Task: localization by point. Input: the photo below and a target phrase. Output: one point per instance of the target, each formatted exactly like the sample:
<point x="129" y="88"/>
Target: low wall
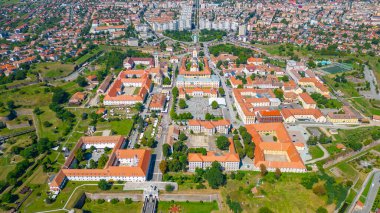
<point x="145" y="185"/>
<point x="161" y="197"/>
<point x="120" y="196"/>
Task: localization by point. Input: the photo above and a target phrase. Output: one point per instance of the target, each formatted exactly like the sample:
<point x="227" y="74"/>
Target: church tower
<point x="195" y="53"/>
<point x="156" y="61"/>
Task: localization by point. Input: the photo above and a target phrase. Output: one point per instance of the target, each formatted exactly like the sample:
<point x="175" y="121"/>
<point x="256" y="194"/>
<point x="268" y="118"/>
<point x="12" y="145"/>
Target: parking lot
<point x="299" y="134"/>
<point x="198" y="107"/>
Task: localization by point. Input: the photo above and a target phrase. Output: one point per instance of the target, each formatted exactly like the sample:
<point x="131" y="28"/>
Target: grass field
<point x="28" y="96"/>
<point x="87" y="56"/>
<point x="53" y="132"/>
<point x="315" y="152"/>
<point x="53" y="70"/>
<point x="365" y="106"/>
<point x="278" y="196"/>
<point x="363" y="196"/>
<point x="189" y="207"/>
<point x="122" y="127"/>
<point x="94" y="207"/>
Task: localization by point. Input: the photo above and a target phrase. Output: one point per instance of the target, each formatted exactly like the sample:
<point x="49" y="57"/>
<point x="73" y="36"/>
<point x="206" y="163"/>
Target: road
<point x="74" y="75"/>
<point x="376" y="179"/>
<point x="370" y="77"/>
<point x="228" y="91"/>
<point x="371" y="196"/>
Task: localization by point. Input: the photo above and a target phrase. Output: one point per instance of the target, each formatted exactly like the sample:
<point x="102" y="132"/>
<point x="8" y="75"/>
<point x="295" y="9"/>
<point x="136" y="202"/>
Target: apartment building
<point x="229" y="161"/>
<point x="124" y="164"/>
<point x="209" y="127"/>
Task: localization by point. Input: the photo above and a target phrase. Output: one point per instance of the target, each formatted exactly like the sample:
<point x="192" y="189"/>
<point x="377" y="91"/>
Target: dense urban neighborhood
<point x="190" y="106"/>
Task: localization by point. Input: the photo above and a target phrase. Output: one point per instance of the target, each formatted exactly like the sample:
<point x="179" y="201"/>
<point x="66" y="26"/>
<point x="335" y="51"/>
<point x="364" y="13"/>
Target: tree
<point x="93" y="164"/>
<point x="169" y="187"/>
<point x="167" y="81"/>
<point x="139" y="106"/>
<point x="60" y="96"/>
<point x="319" y="189"/>
<point x="102" y="161"/>
<point x="321" y="210"/>
<point x="263" y="170"/>
<point x="37" y="111"/>
<point x="128" y="201"/>
<point x="285" y="78"/>
<point x="79" y="155"/>
<point x="221" y="91"/>
<point x="278" y="173"/>
<point x="279" y="94"/>
<point x="163" y="166"/>
<point x="182" y="104"/>
<point x="81" y="81"/>
<point x="234" y="206"/>
<point x="222" y="142"/>
<point x="182" y="136"/>
<point x="104" y="185"/>
<point x="265" y="210"/>
<point x="215" y="105"/>
<point x="47" y="124"/>
<point x="166" y="149"/>
<point x="214" y="175"/>
<point x="114" y="200"/>
<point x="8" y="197"/>
<point x="11" y="104"/>
<point x="175" y="92"/>
<point x="84" y="116"/>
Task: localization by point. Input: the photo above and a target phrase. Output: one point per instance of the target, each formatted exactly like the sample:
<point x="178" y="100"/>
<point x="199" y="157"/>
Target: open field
<point x="189" y="207"/>
<point x="53" y="70"/>
<point x="87" y="56"/>
<point x="29" y="96"/>
<point x="278" y="196"/>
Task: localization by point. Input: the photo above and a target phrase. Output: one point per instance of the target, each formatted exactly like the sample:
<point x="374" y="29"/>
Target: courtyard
<point x="202" y="141"/>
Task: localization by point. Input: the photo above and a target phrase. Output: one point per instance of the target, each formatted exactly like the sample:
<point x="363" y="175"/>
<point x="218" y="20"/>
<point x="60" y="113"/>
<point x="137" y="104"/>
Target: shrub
<point x="114" y="200"/>
<point x="100" y="201"/>
<point x="128" y="201"/>
<point x="319" y="189"/>
<point x="169" y="188"/>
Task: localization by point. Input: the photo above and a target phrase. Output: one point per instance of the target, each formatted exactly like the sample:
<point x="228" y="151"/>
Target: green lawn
<point x="94" y="207"/>
<point x="363" y="196"/>
<point x="315" y="152"/>
<point x="189" y="207"/>
<point x="122" y="127"/>
<point x="53" y="70"/>
<point x="148" y="131"/>
<point x="348" y="170"/>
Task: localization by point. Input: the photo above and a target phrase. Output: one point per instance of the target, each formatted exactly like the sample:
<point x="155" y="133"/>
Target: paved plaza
<point x="198" y="107"/>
